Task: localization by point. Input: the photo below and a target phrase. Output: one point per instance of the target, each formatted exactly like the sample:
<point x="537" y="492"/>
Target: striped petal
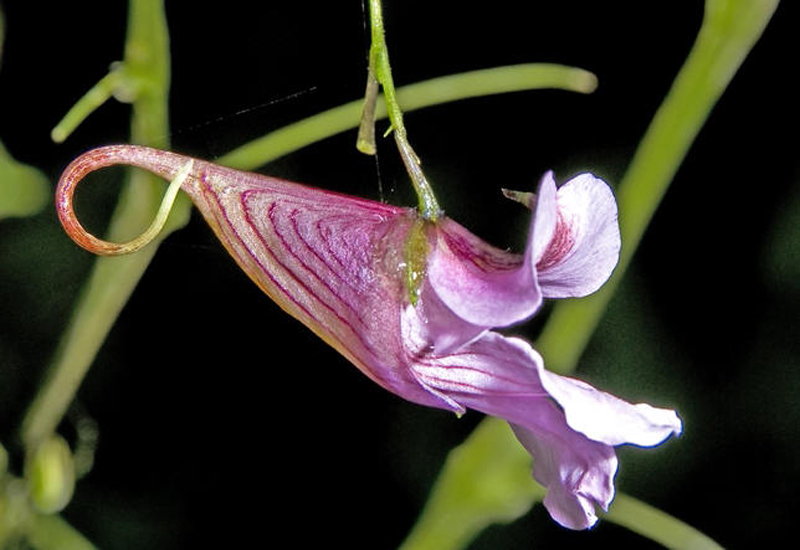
<point x="500" y="376"/>
<point x="481" y="284"/>
<point x="569" y="427"/>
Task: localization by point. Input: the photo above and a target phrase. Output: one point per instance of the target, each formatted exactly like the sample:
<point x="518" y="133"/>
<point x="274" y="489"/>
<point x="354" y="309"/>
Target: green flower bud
<point x="50" y="474"/>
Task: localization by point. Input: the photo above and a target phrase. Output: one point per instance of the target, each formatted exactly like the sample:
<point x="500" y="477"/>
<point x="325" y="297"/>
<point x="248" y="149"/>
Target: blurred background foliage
<point x="201" y="435"/>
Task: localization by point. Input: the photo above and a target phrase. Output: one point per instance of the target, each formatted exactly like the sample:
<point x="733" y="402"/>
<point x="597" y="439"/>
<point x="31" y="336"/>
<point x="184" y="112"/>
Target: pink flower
<point x="412" y="304"/>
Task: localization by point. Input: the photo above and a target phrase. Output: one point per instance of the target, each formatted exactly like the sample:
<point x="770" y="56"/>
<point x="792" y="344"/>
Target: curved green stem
<point x="445" y="89"/>
<point x="86" y="105"/>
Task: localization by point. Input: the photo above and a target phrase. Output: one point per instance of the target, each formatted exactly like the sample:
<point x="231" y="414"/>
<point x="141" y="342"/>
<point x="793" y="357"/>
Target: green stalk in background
<point x="730" y="29"/>
<point x="445" y="89"/>
<point x="143" y="79"/>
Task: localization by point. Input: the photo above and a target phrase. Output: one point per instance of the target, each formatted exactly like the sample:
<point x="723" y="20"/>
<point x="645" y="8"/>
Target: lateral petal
<point x="481" y="284"/>
<point x="585" y="245"/>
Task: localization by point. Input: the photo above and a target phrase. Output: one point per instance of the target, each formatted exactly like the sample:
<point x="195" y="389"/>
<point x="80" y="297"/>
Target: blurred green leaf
<point x="54" y="533"/>
<point x="485" y="480"/>
<point x="24" y="190"/>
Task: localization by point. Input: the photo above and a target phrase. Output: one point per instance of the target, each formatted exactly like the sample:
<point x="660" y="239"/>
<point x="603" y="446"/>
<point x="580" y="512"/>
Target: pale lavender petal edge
<point x="585" y="246"/>
<point x="481" y="284"/>
<point x="577" y="473"/>
<point x="606" y="418"/>
<point x="544" y="219"/>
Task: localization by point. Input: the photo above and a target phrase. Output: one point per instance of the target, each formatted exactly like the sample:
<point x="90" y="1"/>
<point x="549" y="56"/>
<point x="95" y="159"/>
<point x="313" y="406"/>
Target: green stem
<point x="730" y="29"/>
<point x="484" y="481"/>
<point x="650" y="522"/>
<point x="445" y="89"/>
<point x="86" y="105"/>
<point x="380" y="71"/>
<point x="380" y="67"/>
<point x="112" y="280"/>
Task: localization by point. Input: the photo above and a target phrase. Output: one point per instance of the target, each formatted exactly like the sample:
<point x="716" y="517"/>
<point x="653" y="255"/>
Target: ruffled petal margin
<point x="570" y="428"/>
<point x="577" y="472"/>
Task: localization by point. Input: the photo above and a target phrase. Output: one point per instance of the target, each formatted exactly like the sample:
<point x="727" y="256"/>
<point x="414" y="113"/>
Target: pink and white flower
<point x="413" y="304"/>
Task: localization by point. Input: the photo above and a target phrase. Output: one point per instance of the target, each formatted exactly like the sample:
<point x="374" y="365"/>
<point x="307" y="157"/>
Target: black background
<point x="222" y="421"/>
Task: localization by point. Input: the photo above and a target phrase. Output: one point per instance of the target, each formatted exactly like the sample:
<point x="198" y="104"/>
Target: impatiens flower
<point x="412" y="303"/>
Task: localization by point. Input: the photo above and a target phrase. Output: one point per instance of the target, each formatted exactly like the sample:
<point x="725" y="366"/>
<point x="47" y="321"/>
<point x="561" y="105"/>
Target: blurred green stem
<point x="730" y="29"/>
<point x="445" y="89"/>
<point x="484" y="481"/>
<point x="656" y="525"/>
<point x="143" y="79"/>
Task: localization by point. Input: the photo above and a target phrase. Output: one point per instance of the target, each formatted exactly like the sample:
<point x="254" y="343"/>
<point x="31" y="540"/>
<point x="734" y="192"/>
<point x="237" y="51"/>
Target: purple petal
<point x="584" y="248"/>
<point x="500" y="376"/>
<point x="438" y="326"/>
<point x="603" y="417"/>
<point x="572" y="443"/>
<point x="483" y="285"/>
<point x="578" y="473"/>
<point x="544" y="219"/>
<point x="491" y="366"/>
